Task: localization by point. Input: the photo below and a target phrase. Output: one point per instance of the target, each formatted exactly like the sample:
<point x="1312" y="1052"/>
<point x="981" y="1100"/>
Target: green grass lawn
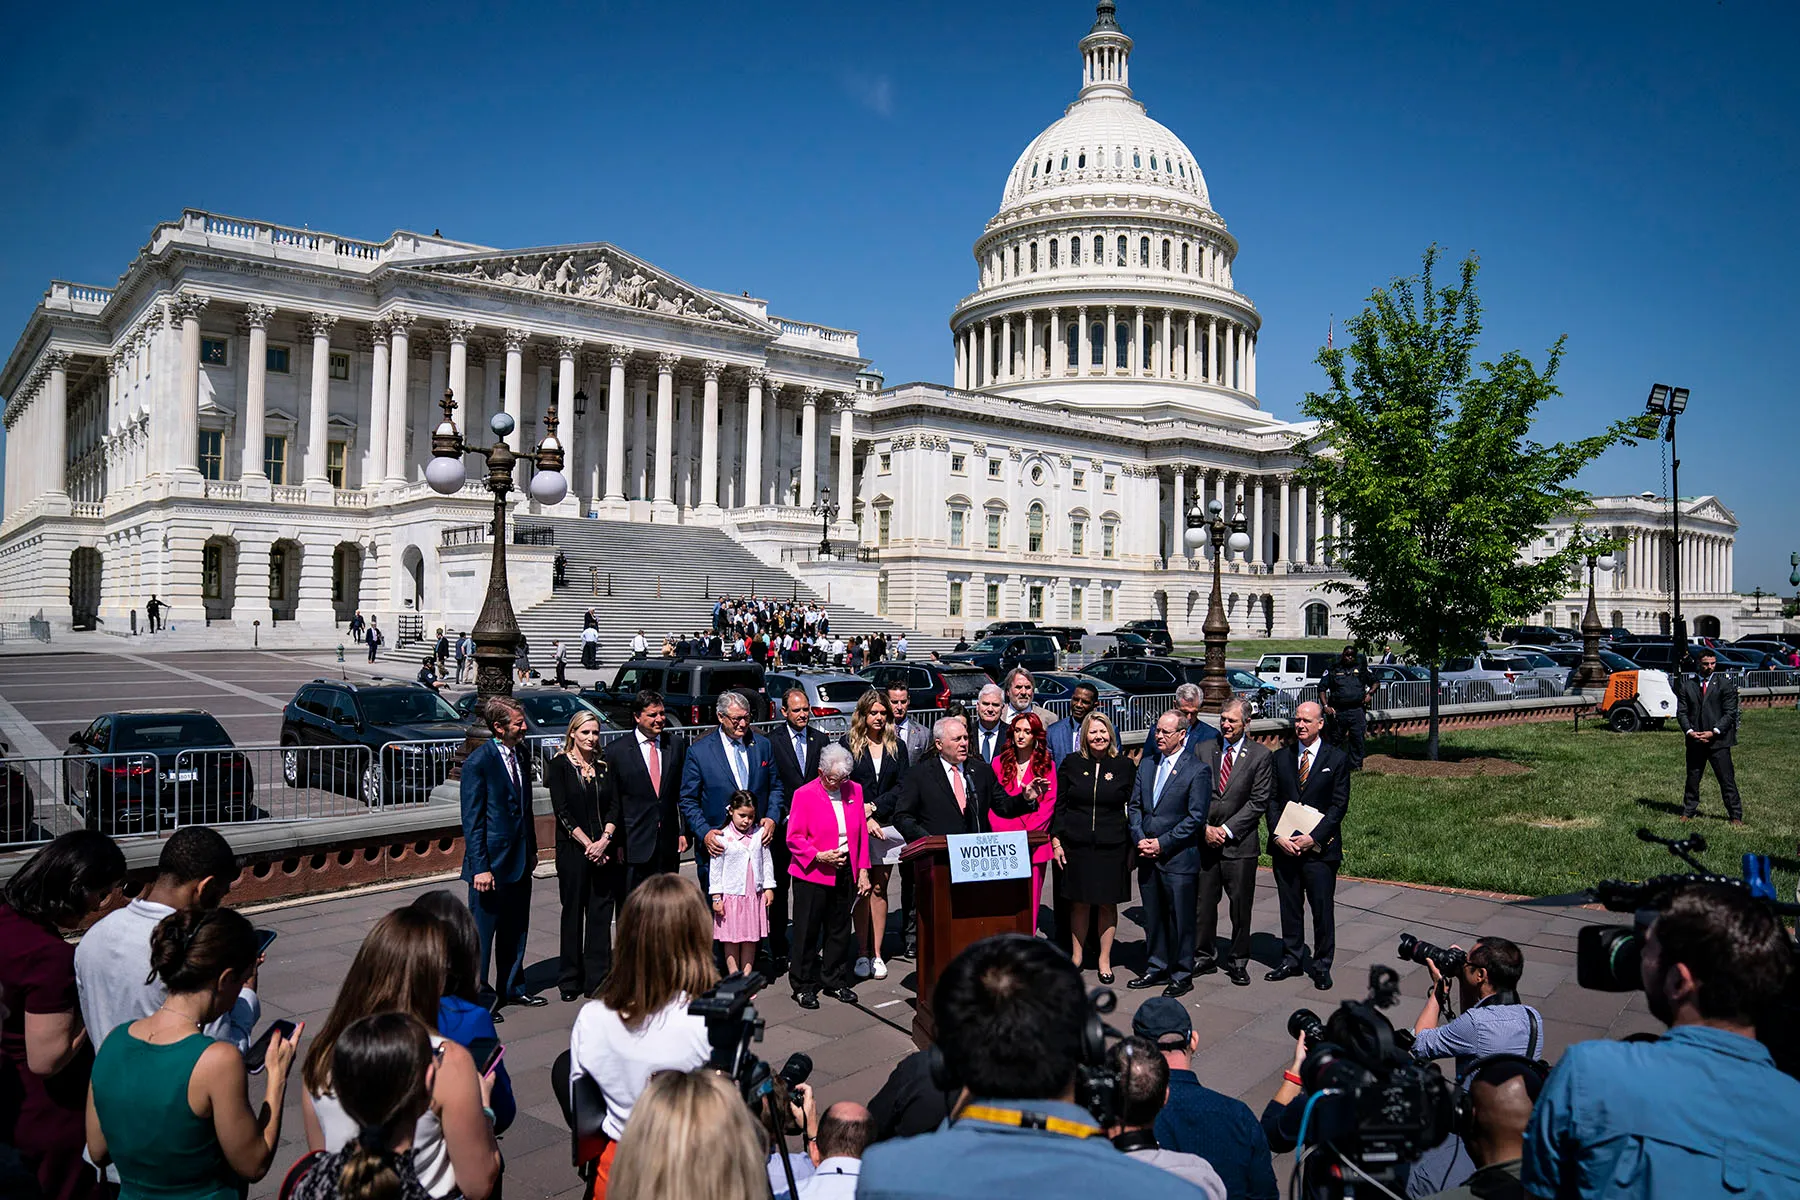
<point x="1573" y="819"/>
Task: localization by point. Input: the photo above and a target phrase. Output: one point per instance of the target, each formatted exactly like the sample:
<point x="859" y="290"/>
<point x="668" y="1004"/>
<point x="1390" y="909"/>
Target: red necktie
<point x="655" y="768"/>
<point x="1224" y="769"/>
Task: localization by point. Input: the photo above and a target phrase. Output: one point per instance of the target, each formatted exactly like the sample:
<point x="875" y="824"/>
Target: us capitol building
<point x="241" y="424"/>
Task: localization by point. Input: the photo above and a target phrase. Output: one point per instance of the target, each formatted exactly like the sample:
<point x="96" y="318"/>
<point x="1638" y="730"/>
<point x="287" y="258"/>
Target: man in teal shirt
<point x="1701" y="1111"/>
<point x="1010" y="1013"/>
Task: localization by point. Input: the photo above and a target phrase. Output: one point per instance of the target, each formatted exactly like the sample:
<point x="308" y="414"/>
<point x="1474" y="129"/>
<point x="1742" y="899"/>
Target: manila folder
<point x="1296" y="819"/>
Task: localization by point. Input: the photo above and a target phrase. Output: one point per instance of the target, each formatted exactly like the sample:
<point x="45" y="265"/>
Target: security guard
<point x="1345" y="690"/>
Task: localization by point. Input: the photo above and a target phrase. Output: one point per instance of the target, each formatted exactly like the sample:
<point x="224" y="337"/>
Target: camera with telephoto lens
<point x="1449" y="960"/>
<point x="1368" y="1108"/>
<point x="732" y="1026"/>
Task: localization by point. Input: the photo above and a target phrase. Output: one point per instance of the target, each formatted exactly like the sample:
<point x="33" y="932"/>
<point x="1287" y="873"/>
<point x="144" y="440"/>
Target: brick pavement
<point x="1244" y="1042"/>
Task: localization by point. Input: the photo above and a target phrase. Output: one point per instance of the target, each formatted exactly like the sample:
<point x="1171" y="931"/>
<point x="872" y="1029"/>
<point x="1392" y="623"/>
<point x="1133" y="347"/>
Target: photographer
<point x="1501" y="1093"/>
<point x="1011" y="1026"/>
<point x="1701" y="1111"/>
<point x="1143" y="1089"/>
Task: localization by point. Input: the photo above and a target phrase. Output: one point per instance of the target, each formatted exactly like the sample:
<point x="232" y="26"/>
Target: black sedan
<point x="149" y="769"/>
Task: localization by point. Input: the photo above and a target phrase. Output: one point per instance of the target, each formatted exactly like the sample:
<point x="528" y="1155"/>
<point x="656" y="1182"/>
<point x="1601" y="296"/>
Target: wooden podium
<point x="954" y="916"/>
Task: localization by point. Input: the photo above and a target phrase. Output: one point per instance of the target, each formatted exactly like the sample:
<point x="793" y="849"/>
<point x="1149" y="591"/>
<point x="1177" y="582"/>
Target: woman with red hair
<point x="1024" y="767"/>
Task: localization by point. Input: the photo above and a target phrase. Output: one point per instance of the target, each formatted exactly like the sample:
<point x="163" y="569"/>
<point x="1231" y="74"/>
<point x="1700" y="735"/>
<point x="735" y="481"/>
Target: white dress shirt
<point x="834" y="1179"/>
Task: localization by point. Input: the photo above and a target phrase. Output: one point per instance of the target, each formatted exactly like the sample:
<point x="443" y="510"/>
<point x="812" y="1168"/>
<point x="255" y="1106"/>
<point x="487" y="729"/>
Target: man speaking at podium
<point x="951" y="792"/>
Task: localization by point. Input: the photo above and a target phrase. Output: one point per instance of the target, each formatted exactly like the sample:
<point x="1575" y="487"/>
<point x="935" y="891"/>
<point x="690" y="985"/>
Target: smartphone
<point x="255" y="1056"/>
<point x="264" y="937"/>
<point x="487" y="1053"/>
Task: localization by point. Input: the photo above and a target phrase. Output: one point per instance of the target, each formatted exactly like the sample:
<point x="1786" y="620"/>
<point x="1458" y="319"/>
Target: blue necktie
<point x="1163" y="771"/>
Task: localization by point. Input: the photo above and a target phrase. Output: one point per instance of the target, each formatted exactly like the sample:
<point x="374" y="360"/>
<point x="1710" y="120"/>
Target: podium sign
<point x="979" y="857"/>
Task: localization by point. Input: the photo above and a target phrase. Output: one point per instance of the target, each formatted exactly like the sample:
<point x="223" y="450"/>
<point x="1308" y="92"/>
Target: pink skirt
<point x="745" y="919"/>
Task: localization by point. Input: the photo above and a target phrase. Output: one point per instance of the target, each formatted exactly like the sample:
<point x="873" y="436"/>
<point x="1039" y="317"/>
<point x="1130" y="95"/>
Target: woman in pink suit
<point x="1024" y="766"/>
<point x="828" y="838"/>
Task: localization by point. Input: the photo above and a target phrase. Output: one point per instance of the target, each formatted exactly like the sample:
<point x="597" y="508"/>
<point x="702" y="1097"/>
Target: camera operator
<point x="1012" y="1024"/>
<point x="1501" y="1093"/>
<point x="1701" y="1111"/>
<point x="1143" y="1089"/>
<point x="1493" y="1021"/>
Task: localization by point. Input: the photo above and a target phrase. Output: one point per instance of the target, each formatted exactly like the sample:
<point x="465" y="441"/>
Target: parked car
<point x="1154" y="631"/>
<point x="1768" y="645"/>
<point x="690" y="688"/>
<point x="1538" y="664"/>
<point x="1146" y="676"/>
<point x="1001" y="653"/>
<point x="933" y="685"/>
<point x="1479" y="677"/>
<point x="127" y="771"/>
<point x="996" y="628"/>
<point x="1737" y="660"/>
<point x="1661" y="656"/>
<point x="336" y="712"/>
<point x="831" y="695"/>
<point x="547" y="713"/>
<point x="1542" y="635"/>
<point x="1059" y="685"/>
<point x="1117" y="645"/>
<point x="1788" y="641"/>
<point x="18" y="803"/>
<point x="1759" y="658"/>
<point x="1261" y="697"/>
<point x="1069" y="638"/>
<point x="1399" y="673"/>
<point x="1294" y="670"/>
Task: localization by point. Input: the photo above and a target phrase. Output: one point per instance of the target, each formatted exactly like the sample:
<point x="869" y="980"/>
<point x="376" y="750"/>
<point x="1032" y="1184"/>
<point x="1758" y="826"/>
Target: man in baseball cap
<point x="1198" y="1120"/>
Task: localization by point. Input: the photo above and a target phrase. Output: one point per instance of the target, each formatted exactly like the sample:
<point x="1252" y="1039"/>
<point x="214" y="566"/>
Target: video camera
<point x="1369" y="1107"/>
<point x="732" y="1026"/>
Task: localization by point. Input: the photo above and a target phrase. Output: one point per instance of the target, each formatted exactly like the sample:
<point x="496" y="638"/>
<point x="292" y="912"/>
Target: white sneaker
<point x="862" y="968"/>
<point x="878" y="969"/>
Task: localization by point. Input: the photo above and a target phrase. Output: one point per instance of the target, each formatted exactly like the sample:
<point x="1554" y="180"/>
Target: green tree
<point x="1428" y="458"/>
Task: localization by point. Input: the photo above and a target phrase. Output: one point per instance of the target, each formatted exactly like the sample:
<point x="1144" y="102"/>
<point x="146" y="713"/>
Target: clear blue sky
<point x="1626" y="171"/>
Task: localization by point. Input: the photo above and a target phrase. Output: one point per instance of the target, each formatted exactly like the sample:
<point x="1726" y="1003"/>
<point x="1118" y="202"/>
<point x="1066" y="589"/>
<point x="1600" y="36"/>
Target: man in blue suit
<point x="729" y="759"/>
<point x="1061" y="736"/>
<point x="1168" y="817"/>
<point x="1201" y="737"/>
<point x="500" y="848"/>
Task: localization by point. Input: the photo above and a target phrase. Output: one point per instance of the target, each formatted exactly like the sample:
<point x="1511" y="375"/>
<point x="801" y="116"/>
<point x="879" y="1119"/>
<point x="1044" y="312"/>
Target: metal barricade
<point x="407" y="772"/>
<point x="42" y="797"/>
<point x="1141" y="712"/>
<point x="251" y="784"/>
<point x="1772" y="679"/>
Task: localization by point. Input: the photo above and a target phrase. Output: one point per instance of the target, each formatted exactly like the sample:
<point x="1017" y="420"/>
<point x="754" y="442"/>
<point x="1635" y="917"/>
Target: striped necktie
<point x="1305" y="765"/>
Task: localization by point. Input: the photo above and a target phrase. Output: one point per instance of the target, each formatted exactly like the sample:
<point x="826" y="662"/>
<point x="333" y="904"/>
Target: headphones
<point x="1534" y="1070"/>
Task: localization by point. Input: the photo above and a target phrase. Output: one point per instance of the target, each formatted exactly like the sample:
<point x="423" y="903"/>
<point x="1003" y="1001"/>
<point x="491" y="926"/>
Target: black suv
<point x="690" y="688"/>
<point x="366" y="718"/>
<point x="932" y="685"/>
<point x="154" y="768"/>
<point x="1154" y="631"/>
<point x="1001" y="652"/>
<point x="995" y="628"/>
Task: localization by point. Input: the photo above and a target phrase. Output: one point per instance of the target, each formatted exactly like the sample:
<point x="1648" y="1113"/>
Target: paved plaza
<point x="1244" y="1043"/>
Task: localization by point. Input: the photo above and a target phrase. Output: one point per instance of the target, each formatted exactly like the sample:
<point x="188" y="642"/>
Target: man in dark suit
<point x="1202" y="738"/>
<point x="796" y="750"/>
<point x="1168" y="811"/>
<point x="954" y="792"/>
<point x="1706" y="708"/>
<point x="1306" y="865"/>
<point x="731" y="758"/>
<point x="646" y="766"/>
<point x="500" y="848"/>
<point x="1083" y="697"/>
<point x="1244" y="780"/>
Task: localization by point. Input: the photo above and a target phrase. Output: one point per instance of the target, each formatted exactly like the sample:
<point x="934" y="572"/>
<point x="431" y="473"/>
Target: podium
<point x="952" y="916"/>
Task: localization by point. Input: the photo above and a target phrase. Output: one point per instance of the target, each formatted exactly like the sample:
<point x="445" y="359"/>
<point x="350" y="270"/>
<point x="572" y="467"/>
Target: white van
<point x="1293" y="671"/>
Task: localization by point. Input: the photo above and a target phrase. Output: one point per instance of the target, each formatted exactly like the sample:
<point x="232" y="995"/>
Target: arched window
<point x="1081" y="161"/>
<point x="1054" y="245"/>
<point x="1034" y="529"/>
<point x="1118" y="157"/>
<point x="1137" y="160"/>
<point x="1184" y="258"/>
<point x="1181" y="168"/>
<point x="1124" y="254"/>
<point x="1074" y="340"/>
<point x="1318" y="620"/>
<point x="1015" y="260"/>
<point x="1074" y="252"/>
<point x="1034" y="256"/>
<point x="1153" y="162"/>
<point x="1099" y="250"/>
<point x="1149" y="338"/>
<point x="1143" y="252"/>
<point x="1048" y="163"/>
<point x="1065" y="160"/>
<point x="1097" y="340"/>
<point x="1166" y="253"/>
<point x="1122" y="344"/>
<point x="1034" y="170"/>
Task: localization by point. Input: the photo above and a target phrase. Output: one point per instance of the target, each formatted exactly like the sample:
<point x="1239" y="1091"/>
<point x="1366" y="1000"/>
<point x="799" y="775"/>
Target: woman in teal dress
<point x="169" y="1106"/>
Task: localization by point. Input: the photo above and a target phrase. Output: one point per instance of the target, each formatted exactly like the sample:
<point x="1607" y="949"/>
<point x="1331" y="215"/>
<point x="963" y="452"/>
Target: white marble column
<point x="515" y="385"/>
<point x="774" y="427"/>
<point x="809" y="444"/>
<point x="318" y="326"/>
<point x="983" y="375"/>
<point x="1178" y="520"/>
<point x="1082" y="352"/>
<point x="186" y="308"/>
<point x="399" y="323"/>
<point x="437" y="381"/>
<point x="468" y="414"/>
<point x="1057" y="352"/>
<point x="479" y="427"/>
<point x="1188" y="357"/>
<point x="1137" y="342"/>
<point x="1030" y="347"/>
<point x="1165" y="361"/>
<point x="574" y="429"/>
<point x="1319" y="519"/>
<point x="1212" y="350"/>
<point x="709" y="436"/>
<point x="753" y="437"/>
<point x="638" y="487"/>
<point x="256" y="319"/>
<point x="54" y="446"/>
<point x="1302" y="528"/>
<point x="1250" y="357"/>
<point x="1259" y="553"/>
<point x="616" y="401"/>
<point x="845" y="403"/>
<point x="375" y="453"/>
<point x="664" y="496"/>
<point x="1109" y="350"/>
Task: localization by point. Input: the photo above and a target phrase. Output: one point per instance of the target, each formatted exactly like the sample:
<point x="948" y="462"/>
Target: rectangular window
<point x="275" y="459"/>
<point x="993" y="538"/>
<point x="334" y="463"/>
<point x="1077" y="595"/>
<point x="1110" y="482"/>
<point x="1106" y="605"/>
<point x="956" y="597"/>
<point x="956" y="527"/>
<point x="1080" y="479"/>
<point x="993" y="599"/>
<point x="1036" y="601"/>
<point x="993" y="468"/>
<point x="212" y="454"/>
<point x="212" y="571"/>
<point x="1109" y="541"/>
<point x="340" y="367"/>
<point x="1078" y="537"/>
<point x="215" y="352"/>
<point x="883" y="520"/>
<point x="887" y="462"/>
<point x="275" y="360"/>
<point x="881" y="595"/>
<point x="958" y="464"/>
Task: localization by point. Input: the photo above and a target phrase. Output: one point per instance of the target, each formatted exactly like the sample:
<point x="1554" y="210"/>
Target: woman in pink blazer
<point x="829" y="841"/>
<point x="1024" y="766"/>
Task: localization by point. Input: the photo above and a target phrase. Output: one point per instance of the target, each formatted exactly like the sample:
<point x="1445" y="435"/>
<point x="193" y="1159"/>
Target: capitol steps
<point x="665" y="579"/>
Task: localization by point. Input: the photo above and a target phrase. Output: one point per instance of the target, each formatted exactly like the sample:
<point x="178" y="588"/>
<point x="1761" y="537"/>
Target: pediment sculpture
<point x="588" y="275"/>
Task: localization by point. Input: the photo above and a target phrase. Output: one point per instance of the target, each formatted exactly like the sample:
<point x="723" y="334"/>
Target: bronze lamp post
<point x="1592" y="673"/>
<point x="496" y="631"/>
<point x="1214" y="686"/>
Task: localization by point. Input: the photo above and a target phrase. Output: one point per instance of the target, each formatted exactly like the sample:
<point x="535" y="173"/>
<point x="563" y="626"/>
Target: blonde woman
<point x="1090" y="837"/>
<point x="691" y="1136"/>
<point x="879" y="765"/>
<point x="587" y="816"/>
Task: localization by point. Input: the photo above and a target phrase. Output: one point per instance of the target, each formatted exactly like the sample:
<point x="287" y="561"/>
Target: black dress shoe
<point x="1284" y="971"/>
<point x="524" y="1001"/>
<point x="807" y="999"/>
<point x="1179" y="989"/>
<point x="842" y="995"/>
<point x="1208" y="969"/>
<point x="1322" y="980"/>
<point x="1236" y="973"/>
<point x="569" y="994"/>
<point x="1106" y="977"/>
<point x="1153" y="979"/>
<point x="495" y="1014"/>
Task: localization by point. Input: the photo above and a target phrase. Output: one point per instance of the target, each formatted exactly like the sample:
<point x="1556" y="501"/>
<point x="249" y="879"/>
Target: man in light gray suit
<point x="914" y="735"/>
<point x="1244" y="780"/>
<point x="1168" y="814"/>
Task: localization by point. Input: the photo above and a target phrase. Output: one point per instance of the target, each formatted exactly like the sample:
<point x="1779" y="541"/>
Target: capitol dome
<point x="1105" y="277"/>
